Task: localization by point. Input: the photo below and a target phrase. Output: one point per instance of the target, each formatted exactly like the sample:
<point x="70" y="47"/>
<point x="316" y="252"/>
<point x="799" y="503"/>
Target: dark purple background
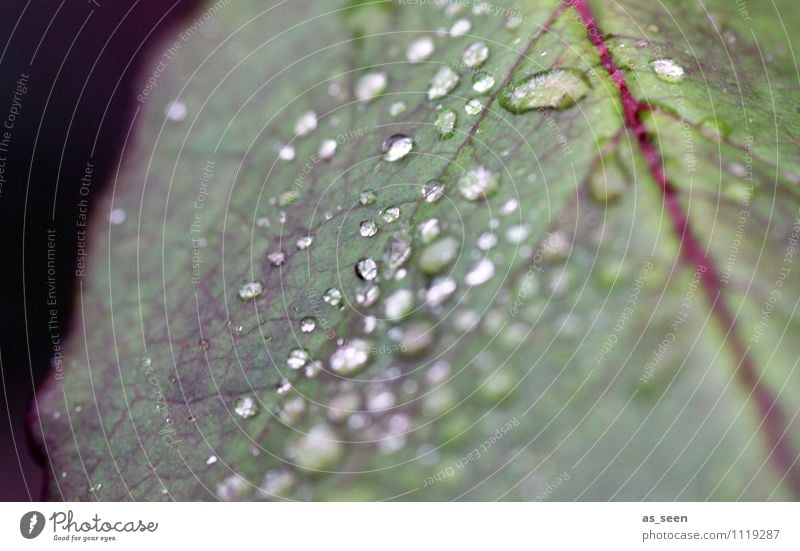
<point x="62" y="45"/>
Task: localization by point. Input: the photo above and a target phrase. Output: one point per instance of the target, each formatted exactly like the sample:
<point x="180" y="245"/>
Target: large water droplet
<point x="367" y="269"/>
<point x="441" y="289"/>
<point x="327" y="149"/>
<point x="350" y="358"/>
<point x="367" y="197"/>
<point x="478" y="183"/>
<point x="390" y="214"/>
<point x="473" y="107"/>
<point x="446" y="123"/>
<point x="370" y="86"/>
<point x="443" y="82"/>
<point x="420" y="49"/>
<point x="308" y="324"/>
<point x="251" y="290"/>
<point x="432" y="191"/>
<point x="396" y="147"/>
<point x="460" y="27"/>
<point x="668" y="70"/>
<point x="555" y="88"/>
<point x="476" y="54"/>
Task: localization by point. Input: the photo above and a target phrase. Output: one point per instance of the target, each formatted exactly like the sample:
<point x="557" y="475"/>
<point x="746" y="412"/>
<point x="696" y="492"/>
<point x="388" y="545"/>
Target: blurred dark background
<point x="68" y="70"/>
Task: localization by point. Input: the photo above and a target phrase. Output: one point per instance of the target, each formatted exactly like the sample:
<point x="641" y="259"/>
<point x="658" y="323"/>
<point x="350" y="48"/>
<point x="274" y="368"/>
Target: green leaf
<point x="552" y="327"/>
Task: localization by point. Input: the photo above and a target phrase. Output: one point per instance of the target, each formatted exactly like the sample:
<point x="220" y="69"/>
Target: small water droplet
<point x="476" y="54"/>
<point x="327" y="149"/>
<point x="117" y="217"/>
<point x="514" y="21"/>
<point x="297" y="358"/>
<point x="397" y="108"/>
<point x="460" y="27"/>
<point x="399" y="304"/>
<point x="277" y="483"/>
<point x="420" y="49"/>
<point x="668" y="70"/>
<point x="429" y="230"/>
<point x="482" y="82"/>
<point x="367" y="198"/>
<point x="480" y="273"/>
<point x="509" y="206"/>
<point x="438" y="255"/>
<point x="251" y="290"/>
<point x="368" y="295"/>
<point x="518" y="233"/>
<point x="446" y="123"/>
<point x="396" y="147"/>
<point x="245" y="407"/>
<point x="332" y="296"/>
<point x="440" y="290"/>
<point x="304" y="242"/>
<point x="390" y="214"/>
<point x="211" y="460"/>
<point x="277" y="258"/>
<point x="350" y="358"/>
<point x="286" y="152"/>
<point x="551" y="89"/>
<point x="367" y="228"/>
<point x="473" y="107"/>
<point x="443" y="82"/>
<point x="478" y="183"/>
<point x="306" y="123"/>
<point x="370" y="86"/>
<point x="367" y="269"/>
<point x="176" y="111"/>
<point x="308" y="324"/>
<point x="292" y="410"/>
<point x="432" y="191"/>
<point x="283" y="387"/>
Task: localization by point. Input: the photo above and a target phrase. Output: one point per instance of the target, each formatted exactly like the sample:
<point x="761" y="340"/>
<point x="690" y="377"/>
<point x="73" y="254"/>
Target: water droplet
<point x="397" y="108"/>
<point x="245" y="407"/>
<point x="476" y="54"/>
<point x="396" y="147"/>
<point x="367" y="269"/>
<point x="306" y="123"/>
<point x="367" y="228"/>
<point x="304" y="242"/>
<point x="286" y="152"/>
<point x="117" y="217"/>
<point x="263" y="222"/>
<point x="176" y="111"/>
<point x="297" y="358"/>
<point x="351" y="358"/>
<point x="480" y="273"/>
<point x="514" y="21"/>
<point x="509" y="206"/>
<point x="399" y="304"/>
<point x="438" y="255"/>
<point x="390" y="214"/>
<point x="327" y="149"/>
<point x="398" y="249"/>
<point x="555" y="88"/>
<point x="440" y="290"/>
<point x="308" y="324"/>
<point x="368" y="295"/>
<point x="367" y="198"/>
<point x="473" y="107"/>
<point x="283" y="387"/>
<point x="251" y="290"/>
<point x="518" y="233"/>
<point x="478" y="183"/>
<point x="668" y="70"/>
<point x="432" y="191"/>
<point x="332" y="296"/>
<point x="429" y="230"/>
<point x="211" y="460"/>
<point x="233" y="488"/>
<point x="277" y="483"/>
<point x="292" y="410"/>
<point x="482" y="82"/>
<point x="370" y="86"/>
<point x="443" y="82"/>
<point x="446" y="123"/>
<point x="318" y="450"/>
<point x="277" y="258"/>
<point x="460" y="27"/>
<point x="420" y="49"/>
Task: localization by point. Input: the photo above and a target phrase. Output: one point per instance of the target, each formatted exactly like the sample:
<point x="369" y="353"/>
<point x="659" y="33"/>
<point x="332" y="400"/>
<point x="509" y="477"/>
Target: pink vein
<point x="773" y="419"/>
